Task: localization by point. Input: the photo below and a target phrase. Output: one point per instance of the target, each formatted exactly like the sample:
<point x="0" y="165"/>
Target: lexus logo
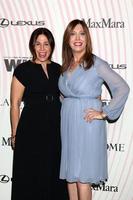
<point x="4" y="22"/>
<point x="4" y="179"/>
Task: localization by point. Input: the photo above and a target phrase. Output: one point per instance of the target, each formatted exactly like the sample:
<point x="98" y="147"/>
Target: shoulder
<point x="101" y="66"/>
<point x="21" y="72"/>
<point x="99" y="61"/>
<point x="23" y="66"/>
<point x="56" y="67"/>
<point x="54" y="64"/>
<point x="23" y="69"/>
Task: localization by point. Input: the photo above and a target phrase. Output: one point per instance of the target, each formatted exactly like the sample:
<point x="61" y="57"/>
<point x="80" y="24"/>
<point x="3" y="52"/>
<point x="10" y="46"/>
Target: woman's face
<point x="42" y="49"/>
<point x="77" y="39"/>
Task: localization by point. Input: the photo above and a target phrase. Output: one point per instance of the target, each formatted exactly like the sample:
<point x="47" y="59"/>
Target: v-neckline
<point x="70" y="74"/>
<point x="42" y="70"/>
<point x="46" y="74"/>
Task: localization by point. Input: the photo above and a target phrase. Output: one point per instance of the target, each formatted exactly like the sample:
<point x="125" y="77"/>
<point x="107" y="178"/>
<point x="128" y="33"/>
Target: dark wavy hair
<point x="34" y="36"/>
<point x="67" y="55"/>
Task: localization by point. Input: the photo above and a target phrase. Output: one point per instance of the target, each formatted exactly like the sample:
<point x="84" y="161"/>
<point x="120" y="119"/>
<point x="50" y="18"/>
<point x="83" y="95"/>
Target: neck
<point x="43" y="63"/>
<point x="77" y="57"/>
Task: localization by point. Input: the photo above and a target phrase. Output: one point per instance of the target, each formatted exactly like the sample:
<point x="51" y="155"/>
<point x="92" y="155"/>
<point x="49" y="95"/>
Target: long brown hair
<point x="67" y="54"/>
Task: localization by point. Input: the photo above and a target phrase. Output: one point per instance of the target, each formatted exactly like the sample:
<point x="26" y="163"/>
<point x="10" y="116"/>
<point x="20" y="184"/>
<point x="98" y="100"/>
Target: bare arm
<point x="17" y="90"/>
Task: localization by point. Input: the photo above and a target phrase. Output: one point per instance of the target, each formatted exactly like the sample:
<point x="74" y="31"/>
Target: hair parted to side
<point x="34" y="36"/>
<point x="67" y="55"/>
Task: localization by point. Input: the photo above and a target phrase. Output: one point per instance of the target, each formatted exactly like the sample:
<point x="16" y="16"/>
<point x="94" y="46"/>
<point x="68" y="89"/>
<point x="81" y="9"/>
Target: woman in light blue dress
<point x="83" y="124"/>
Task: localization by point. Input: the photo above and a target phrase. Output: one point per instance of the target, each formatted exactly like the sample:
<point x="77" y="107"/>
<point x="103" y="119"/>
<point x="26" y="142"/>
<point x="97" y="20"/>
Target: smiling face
<point x="77" y="40"/>
<point x="42" y="49"/>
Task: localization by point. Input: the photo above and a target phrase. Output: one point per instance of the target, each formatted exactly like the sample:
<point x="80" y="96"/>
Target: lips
<point x="77" y="43"/>
<point x="42" y="55"/>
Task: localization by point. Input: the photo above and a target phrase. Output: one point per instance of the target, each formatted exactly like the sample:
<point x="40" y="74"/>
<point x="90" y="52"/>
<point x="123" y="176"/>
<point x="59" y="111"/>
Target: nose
<point x="77" y="36"/>
<point x="42" y="47"/>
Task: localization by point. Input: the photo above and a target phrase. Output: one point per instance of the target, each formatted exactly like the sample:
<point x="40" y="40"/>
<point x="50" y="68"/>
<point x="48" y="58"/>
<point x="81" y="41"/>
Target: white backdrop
<point x="110" y="23"/>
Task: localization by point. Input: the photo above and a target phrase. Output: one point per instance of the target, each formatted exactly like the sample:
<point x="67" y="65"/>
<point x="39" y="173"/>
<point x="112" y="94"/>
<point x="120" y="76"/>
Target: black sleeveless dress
<point x="36" y="160"/>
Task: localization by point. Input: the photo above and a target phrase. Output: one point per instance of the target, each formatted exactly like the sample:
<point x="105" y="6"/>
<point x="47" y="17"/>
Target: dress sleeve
<point x="21" y="74"/>
<point x="118" y="87"/>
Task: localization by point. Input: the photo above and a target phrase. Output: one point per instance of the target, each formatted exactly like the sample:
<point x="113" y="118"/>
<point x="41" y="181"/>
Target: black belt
<point x="41" y="99"/>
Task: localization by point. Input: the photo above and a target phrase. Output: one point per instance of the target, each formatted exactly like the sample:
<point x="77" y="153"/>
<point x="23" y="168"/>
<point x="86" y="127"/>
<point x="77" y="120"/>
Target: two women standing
<point x="35" y="134"/>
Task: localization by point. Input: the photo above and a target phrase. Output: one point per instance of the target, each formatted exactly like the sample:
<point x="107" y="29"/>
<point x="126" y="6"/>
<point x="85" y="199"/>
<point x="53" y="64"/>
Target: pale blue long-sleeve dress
<point x="84" y="144"/>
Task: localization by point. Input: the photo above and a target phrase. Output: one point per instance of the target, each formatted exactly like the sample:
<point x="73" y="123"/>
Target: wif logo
<point x="11" y="63"/>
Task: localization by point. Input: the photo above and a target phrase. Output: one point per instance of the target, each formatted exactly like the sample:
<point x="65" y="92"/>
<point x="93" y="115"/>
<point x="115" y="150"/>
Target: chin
<point x="43" y="60"/>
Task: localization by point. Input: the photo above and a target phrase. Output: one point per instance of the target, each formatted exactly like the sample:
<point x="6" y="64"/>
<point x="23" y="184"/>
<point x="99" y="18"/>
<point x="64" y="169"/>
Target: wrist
<point x="13" y="135"/>
<point x="104" y="116"/>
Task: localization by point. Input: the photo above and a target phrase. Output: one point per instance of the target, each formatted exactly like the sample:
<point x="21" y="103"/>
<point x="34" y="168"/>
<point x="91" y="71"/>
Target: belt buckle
<point x="49" y="98"/>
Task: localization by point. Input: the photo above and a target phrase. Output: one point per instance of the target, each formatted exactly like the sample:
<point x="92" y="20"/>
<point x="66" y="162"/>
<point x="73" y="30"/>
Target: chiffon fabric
<point x="84" y="144"/>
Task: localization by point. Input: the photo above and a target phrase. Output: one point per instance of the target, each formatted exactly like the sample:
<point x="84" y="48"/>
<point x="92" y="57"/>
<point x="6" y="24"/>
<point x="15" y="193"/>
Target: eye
<point x="46" y="44"/>
<point x="82" y="33"/>
<point x="37" y="43"/>
<point x="72" y="33"/>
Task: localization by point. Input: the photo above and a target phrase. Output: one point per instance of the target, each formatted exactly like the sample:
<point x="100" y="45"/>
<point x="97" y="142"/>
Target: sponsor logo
<point x="6" y="22"/>
<point x="105" y="188"/>
<point x="6" y="141"/>
<point x="116" y="147"/>
<point x="4" y="178"/>
<point x="118" y="66"/>
<point x="11" y="63"/>
<point x="5" y="102"/>
<point x="104" y="23"/>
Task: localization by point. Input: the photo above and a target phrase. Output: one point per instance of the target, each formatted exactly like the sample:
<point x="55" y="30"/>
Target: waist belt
<point x="81" y="97"/>
<point x="41" y="99"/>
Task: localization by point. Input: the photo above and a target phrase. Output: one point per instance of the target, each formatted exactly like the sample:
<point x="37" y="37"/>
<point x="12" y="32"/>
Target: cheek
<point x="71" y="42"/>
<point x="72" y="38"/>
<point x="85" y="41"/>
<point x="35" y="49"/>
<point x="49" y="51"/>
<point x="85" y="44"/>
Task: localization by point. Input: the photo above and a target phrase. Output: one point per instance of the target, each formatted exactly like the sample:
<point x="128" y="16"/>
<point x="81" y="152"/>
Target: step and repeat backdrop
<point x="111" y="28"/>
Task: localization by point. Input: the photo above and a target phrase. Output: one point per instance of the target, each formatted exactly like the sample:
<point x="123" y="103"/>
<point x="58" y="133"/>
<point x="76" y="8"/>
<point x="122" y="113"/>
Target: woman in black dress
<point x="36" y="132"/>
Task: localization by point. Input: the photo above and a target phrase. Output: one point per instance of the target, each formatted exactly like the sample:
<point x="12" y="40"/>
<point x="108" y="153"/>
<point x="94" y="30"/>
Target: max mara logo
<point x="104" y="23"/>
<point x="105" y="188"/>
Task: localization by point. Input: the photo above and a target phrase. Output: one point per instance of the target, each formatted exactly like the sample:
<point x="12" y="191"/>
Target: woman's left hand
<point x="13" y="138"/>
<point x="91" y="114"/>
